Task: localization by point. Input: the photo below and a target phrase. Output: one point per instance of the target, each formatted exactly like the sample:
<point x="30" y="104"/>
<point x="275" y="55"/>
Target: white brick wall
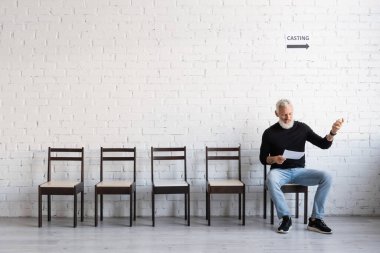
<point x="175" y="72"/>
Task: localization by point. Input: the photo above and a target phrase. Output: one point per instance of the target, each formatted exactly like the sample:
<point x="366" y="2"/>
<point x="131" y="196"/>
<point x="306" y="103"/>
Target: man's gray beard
<point x="286" y="126"/>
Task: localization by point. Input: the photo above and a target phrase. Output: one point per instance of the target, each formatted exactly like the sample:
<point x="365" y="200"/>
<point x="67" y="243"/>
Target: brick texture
<point x="178" y="72"/>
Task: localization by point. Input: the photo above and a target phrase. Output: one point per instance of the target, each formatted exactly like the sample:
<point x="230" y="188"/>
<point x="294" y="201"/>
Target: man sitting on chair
<point x="292" y="135"/>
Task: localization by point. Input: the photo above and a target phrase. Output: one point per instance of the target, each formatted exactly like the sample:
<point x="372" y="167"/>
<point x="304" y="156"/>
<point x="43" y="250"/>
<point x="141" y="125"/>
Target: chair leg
<point x="188" y="208"/>
<point x="49" y="207"/>
<point x="75" y="210"/>
<point x="209" y="208"/>
<point x="239" y="206"/>
<point x="305" y="208"/>
<point x="206" y="205"/>
<point x="244" y="208"/>
<point x="153" y="218"/>
<point x="101" y="207"/>
<point x="185" y="206"/>
<point x="130" y="208"/>
<point x="265" y="203"/>
<point x="39" y="207"/>
<point x="297" y="207"/>
<point x="134" y="204"/>
<point x="96" y="208"/>
<point x="81" y="205"/>
<point x="271" y="213"/>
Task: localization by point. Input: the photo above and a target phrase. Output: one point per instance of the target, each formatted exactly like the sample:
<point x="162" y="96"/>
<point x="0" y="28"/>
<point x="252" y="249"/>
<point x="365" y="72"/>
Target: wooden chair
<point x="116" y="186"/>
<point x="170" y="186"/>
<point x="234" y="186"/>
<point x="59" y="187"/>
<point x="287" y="188"/>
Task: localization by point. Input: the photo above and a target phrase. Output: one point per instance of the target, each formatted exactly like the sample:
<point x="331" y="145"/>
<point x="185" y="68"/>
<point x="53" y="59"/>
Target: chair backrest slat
<point x="223" y="149"/>
<point x="103" y="158"/>
<point x="155" y="157"/>
<point x="67" y="150"/>
<point x="169" y="158"/>
<point x="168" y="149"/>
<point x="68" y="158"/>
<point x="131" y="150"/>
<point x="223" y="157"/>
<point x="118" y="158"/>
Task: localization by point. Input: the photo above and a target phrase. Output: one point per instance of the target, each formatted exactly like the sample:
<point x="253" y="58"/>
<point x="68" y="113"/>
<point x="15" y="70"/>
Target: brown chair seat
<point x="60" y="183"/>
<point x="225" y="182"/>
<point x="116" y="183"/>
<point x="170" y="183"/>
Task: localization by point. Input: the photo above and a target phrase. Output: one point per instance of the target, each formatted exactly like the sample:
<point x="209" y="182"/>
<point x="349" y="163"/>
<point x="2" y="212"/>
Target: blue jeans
<point x="308" y="177"/>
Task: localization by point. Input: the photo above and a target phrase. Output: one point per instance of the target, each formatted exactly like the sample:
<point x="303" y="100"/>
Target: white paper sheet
<point x="288" y="154"/>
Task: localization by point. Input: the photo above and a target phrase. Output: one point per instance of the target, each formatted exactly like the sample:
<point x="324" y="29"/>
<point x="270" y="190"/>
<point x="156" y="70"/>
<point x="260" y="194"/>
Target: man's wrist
<point x="332" y="133"/>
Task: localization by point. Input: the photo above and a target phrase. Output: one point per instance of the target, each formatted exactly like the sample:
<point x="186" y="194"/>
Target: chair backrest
<point x="172" y="156"/>
<point x="265" y="173"/>
<point x="59" y="157"/>
<point x="218" y="156"/>
<point x="125" y="157"/>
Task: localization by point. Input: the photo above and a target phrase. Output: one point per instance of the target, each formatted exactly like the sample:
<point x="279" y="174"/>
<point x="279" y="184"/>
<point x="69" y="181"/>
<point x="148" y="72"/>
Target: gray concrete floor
<point x="351" y="234"/>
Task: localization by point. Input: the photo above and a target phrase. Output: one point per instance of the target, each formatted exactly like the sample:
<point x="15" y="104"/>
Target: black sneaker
<point x="285" y="226"/>
<point x="319" y="226"/>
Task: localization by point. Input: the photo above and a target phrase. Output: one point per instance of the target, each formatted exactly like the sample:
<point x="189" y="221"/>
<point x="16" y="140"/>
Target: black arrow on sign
<point x="298" y="46"/>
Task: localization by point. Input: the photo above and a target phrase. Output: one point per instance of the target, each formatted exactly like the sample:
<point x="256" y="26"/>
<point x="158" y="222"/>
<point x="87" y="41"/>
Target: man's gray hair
<point x="282" y="103"/>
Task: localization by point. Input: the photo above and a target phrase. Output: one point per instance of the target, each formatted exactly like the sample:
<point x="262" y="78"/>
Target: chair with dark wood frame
<point x="59" y="187"/>
<point x="230" y="186"/>
<point x="287" y="188"/>
<point x="171" y="186"/>
<point x="116" y="186"/>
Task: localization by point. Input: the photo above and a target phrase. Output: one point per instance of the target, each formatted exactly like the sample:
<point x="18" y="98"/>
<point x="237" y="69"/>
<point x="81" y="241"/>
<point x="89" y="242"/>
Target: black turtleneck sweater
<point x="276" y="139"/>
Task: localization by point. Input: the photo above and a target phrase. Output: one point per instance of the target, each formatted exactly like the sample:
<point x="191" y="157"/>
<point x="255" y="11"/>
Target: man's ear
<point x="275" y="112"/>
